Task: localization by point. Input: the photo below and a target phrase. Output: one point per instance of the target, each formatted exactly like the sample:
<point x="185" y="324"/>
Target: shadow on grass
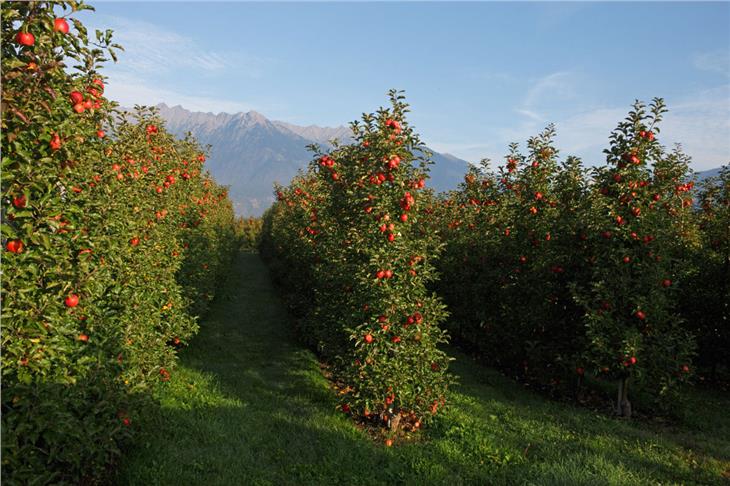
<point x="249" y="405"/>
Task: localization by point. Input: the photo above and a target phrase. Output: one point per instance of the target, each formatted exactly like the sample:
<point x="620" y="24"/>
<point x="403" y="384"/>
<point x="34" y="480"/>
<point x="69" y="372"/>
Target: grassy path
<point x="248" y="406"/>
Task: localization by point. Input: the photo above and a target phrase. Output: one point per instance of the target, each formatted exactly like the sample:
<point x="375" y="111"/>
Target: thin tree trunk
<point x="623" y="405"/>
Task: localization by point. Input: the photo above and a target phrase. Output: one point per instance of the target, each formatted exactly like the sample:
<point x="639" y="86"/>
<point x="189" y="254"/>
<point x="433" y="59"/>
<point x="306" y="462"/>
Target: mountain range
<point x="249" y="152"/>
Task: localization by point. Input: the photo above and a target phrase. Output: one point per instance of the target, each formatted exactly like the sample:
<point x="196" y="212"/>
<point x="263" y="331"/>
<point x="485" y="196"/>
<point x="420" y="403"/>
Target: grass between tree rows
<point x="249" y="405"/>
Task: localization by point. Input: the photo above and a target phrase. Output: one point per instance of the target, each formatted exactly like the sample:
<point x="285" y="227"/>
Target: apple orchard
<point x="611" y="280"/>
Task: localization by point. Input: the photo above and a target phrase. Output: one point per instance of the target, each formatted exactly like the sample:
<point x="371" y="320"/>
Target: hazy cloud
<point x="700" y="122"/>
<point x="471" y="152"/>
<point x="130" y="90"/>
<point x="545" y="91"/>
<point x="715" y="61"/>
<point x="150" y="49"/>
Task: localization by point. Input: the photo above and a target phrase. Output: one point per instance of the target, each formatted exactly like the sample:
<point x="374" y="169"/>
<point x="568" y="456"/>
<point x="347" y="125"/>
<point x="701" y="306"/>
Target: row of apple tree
<point x="348" y="244"/>
<point x="113" y="237"/>
<point x="612" y="276"/>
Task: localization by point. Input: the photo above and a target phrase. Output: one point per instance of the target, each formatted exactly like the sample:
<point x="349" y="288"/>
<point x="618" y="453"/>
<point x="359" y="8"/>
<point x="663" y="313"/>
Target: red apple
<point x="25" y="39"/>
<point x="100" y="133"/>
<point x="60" y="25"/>
<point x="76" y="97"/>
<point x="641" y="315"/>
<point x="134" y="241"/>
<point x="72" y="300"/>
<point x="666" y="283"/>
<point x="55" y="142"/>
<point x="83" y="337"/>
<point x="19" y="201"/>
<point x="368" y="338"/>
<point x="14" y="246"/>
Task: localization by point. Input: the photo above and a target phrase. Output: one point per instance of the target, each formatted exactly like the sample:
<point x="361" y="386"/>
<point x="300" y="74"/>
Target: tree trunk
<point x="623" y="405"/>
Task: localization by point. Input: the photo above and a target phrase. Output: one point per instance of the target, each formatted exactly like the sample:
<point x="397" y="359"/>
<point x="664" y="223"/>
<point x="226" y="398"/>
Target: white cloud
<point x="545" y="91"/>
<point x="129" y="90"/>
<point x="153" y="54"/>
<point x="699" y="121"/>
<point x="150" y="49"/>
<point x="715" y="61"/>
<point x="471" y="152"/>
<point x="529" y="114"/>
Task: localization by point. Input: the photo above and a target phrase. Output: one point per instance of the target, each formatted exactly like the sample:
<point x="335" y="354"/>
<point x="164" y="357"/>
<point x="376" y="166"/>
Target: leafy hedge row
<point x="561" y="275"/>
<point x="113" y="238"/>
<point x="348" y="244"/>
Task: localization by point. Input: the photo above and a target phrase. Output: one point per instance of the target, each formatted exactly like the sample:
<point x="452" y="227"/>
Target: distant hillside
<point x="250" y="152"/>
<point x="705" y="174"/>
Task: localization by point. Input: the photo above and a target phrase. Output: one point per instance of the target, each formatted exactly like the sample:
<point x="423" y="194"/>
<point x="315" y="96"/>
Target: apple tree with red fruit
<point x="513" y="253"/>
<point x="634" y="331"/>
<point x="355" y="220"/>
<point x="93" y="298"/>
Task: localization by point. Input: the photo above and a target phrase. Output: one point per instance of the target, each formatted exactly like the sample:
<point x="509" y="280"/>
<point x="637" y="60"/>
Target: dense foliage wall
<point x="562" y="276"/>
<point x="113" y="239"/>
<point x="348" y="242"/>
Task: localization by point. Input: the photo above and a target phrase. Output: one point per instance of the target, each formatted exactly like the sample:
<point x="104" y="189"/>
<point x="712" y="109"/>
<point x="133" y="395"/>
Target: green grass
<point x="248" y="405"/>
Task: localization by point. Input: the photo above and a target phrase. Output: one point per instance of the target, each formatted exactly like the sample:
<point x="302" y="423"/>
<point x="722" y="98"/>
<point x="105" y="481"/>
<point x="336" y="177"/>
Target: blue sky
<point x="477" y="75"/>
